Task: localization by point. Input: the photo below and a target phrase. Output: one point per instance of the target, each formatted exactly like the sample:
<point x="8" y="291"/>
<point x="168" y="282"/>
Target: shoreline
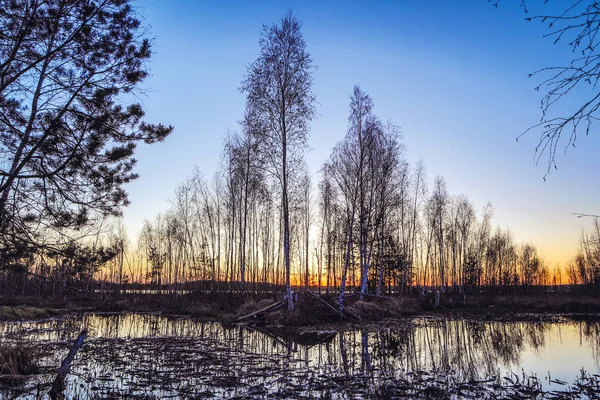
<point x="310" y="312"/>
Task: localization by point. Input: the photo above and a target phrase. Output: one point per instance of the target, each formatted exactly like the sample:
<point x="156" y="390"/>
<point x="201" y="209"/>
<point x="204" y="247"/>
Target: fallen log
<point x="268" y="308"/>
<point x="56" y="392"/>
<point x="333" y="308"/>
<point x="351" y="313"/>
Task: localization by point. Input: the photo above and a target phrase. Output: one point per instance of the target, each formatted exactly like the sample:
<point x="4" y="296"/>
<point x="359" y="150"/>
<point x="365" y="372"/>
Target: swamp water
<point x="152" y="356"/>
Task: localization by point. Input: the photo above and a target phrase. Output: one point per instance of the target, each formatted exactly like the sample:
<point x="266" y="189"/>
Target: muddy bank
<point x="312" y="309"/>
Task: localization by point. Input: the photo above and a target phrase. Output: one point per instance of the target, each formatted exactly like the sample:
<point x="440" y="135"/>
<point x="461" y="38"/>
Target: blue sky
<point x="452" y="74"/>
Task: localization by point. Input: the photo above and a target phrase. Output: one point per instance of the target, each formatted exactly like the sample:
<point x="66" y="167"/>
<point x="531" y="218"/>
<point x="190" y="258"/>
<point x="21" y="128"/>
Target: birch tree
<point x="438" y="205"/>
<point x="278" y="88"/>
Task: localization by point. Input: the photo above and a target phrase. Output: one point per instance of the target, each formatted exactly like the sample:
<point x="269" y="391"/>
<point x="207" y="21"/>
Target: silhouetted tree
<point x="419" y="189"/>
<point x="278" y="87"/>
<point x="327" y="206"/>
<point x="586" y="268"/>
<point x="530" y="265"/>
<point x="579" y="26"/>
<point x="66" y="141"/>
<point x="577" y="23"/>
<point x="438" y="206"/>
<point x="367" y="172"/>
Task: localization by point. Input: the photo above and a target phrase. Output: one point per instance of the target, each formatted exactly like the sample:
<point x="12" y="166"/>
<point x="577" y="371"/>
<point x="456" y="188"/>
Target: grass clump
<point x="9" y="313"/>
<point x="204" y="311"/>
<point x="404" y="306"/>
<point x="307" y="311"/>
<point x="17" y="360"/>
<point x="369" y="310"/>
<point x="248" y="307"/>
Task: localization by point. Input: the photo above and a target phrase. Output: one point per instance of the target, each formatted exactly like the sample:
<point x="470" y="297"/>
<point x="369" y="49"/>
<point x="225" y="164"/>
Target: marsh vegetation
<point x="154" y="356"/>
<point x="265" y="244"/>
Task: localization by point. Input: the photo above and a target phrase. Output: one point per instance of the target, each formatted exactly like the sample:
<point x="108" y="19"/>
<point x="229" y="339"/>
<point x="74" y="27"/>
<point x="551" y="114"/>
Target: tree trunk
<point x="59" y="382"/>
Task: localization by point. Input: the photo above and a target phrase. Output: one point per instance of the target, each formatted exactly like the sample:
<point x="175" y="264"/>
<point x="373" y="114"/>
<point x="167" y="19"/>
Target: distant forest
<point x="372" y="223"/>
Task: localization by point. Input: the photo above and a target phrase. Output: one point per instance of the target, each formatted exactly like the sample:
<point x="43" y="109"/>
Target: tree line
<point x="372" y="224"/>
<point x="585" y="266"/>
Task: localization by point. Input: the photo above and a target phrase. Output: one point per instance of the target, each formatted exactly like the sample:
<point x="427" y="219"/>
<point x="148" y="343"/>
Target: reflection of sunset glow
<point x="471" y="350"/>
<point x="385" y="204"/>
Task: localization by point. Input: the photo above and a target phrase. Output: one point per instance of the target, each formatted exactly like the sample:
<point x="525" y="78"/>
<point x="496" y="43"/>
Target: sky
<point x="452" y="74"/>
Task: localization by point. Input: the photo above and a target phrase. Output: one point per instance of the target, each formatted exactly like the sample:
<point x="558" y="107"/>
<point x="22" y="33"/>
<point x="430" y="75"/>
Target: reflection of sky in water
<point x="566" y="350"/>
<point x="126" y="350"/>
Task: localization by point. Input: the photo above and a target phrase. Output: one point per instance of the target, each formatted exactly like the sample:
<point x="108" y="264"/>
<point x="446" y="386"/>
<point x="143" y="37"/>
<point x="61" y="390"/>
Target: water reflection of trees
<point x="472" y="350"/>
<point x="179" y="353"/>
<point x="590" y="332"/>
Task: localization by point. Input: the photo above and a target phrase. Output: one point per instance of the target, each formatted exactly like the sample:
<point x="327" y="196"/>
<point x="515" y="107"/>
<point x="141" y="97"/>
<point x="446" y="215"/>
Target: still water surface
<point x="141" y="355"/>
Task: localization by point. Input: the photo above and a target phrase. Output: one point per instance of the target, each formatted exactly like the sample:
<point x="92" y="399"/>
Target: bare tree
<point x="587" y="260"/>
<point x="343" y="169"/>
<point x="530" y="265"/>
<point x="305" y="187"/>
<point x="419" y="195"/>
<point x="327" y="206"/>
<point x="464" y="220"/>
<point x="348" y="167"/>
<point x="278" y="87"/>
<point x="578" y="25"/>
<point x="391" y="192"/>
<point x="438" y="204"/>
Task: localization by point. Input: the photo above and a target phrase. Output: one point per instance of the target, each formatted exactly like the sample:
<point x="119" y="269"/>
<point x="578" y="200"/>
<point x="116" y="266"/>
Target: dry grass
<point x="377" y="308"/>
<point x="204" y="311"/>
<point x="264" y="303"/>
<point x="252" y="305"/>
<point x="308" y="311"/>
<point x="549" y="303"/>
<point x="17" y="360"/>
<point x="248" y="307"/>
<point x="404" y="306"/>
<point x="369" y="310"/>
<point x="8" y="313"/>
